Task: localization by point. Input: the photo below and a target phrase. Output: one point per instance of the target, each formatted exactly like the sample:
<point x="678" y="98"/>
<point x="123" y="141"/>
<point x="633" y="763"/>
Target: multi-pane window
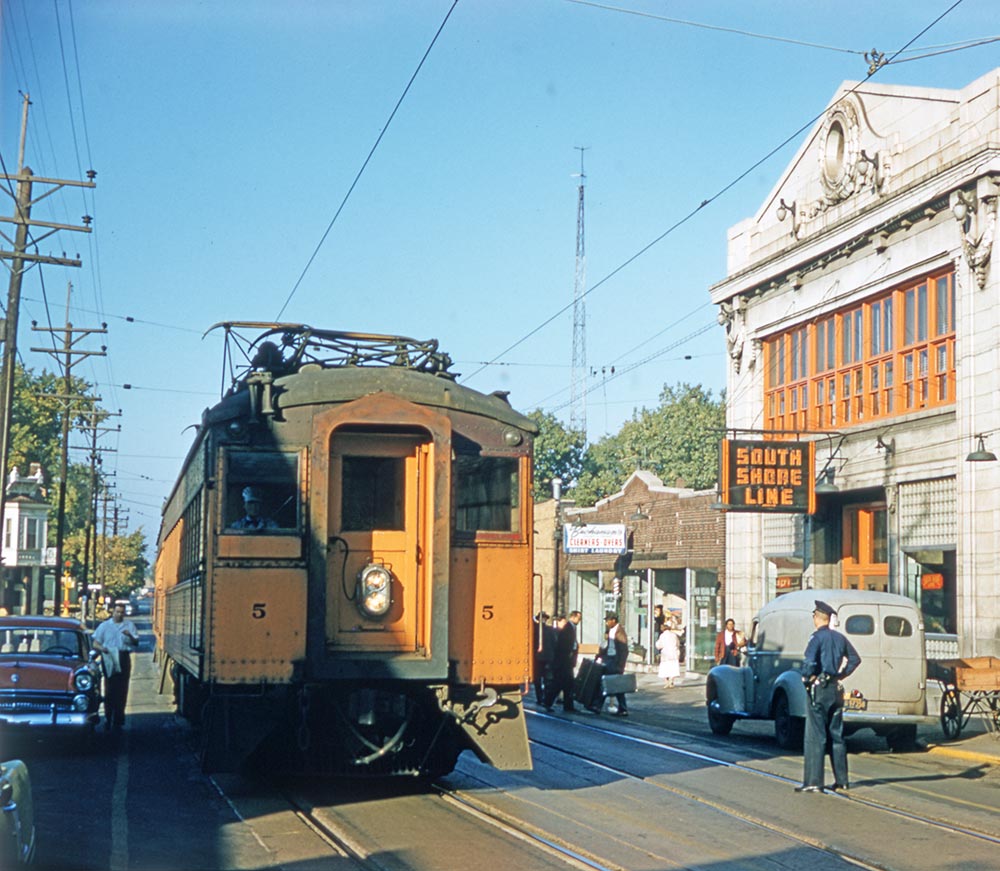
<point x="893" y="354"/>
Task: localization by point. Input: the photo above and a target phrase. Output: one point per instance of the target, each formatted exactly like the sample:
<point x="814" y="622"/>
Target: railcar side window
<point x="897" y="627"/>
<point x="486" y="494"/>
<point x="860" y="624"/>
<point x="372" y="494"/>
<point x="270" y="478"/>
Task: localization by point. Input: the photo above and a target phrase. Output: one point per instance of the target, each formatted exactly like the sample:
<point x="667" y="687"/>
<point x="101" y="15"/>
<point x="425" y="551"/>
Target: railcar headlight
<point x="374" y="590"/>
<point x="83" y="680"/>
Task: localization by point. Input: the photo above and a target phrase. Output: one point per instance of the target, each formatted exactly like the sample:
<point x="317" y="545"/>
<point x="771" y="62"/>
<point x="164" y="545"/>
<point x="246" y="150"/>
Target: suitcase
<point x="587" y="686"/>
<point x="618" y="683"/>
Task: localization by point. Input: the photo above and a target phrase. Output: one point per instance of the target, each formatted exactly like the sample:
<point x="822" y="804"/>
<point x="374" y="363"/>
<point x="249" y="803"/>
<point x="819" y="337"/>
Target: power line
<point x="357" y="178"/>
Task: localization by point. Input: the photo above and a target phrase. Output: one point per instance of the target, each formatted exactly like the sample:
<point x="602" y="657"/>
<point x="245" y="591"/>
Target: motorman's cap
<point x="823" y="608"/>
<point x="611" y="615"/>
<point x="251" y="494"/>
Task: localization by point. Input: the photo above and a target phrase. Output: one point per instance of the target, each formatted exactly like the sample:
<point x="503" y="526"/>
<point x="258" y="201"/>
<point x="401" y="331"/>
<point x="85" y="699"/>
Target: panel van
<point x="887" y="693"/>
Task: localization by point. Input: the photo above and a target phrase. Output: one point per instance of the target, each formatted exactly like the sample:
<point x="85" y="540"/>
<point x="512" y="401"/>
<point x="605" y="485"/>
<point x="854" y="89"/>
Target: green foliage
<point x="676" y="441"/>
<point x="558" y="453"/>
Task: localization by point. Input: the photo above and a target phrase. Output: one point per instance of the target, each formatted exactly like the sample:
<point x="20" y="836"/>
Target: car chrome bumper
<point x="48" y="719"/>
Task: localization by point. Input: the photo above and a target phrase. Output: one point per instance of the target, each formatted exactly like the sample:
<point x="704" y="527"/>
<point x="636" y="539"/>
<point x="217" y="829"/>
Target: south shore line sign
<point x="769" y="477"/>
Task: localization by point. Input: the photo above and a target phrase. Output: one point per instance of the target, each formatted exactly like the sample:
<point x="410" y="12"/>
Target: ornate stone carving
<point x="977" y="219"/>
<point x="733" y="317"/>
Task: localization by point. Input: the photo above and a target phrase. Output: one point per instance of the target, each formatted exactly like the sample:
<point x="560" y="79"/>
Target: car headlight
<point x="374" y="592"/>
<point x="84" y="681"/>
<point x="81" y="702"/>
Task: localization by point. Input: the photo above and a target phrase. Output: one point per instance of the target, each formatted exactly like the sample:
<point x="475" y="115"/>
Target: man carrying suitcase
<point x="612" y="657"/>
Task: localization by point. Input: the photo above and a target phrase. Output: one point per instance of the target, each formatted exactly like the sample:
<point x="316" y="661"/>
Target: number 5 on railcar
<point x="343" y="579"/>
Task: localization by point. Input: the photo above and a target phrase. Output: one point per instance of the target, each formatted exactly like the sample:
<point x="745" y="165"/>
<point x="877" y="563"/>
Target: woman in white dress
<point x="669" y="646"/>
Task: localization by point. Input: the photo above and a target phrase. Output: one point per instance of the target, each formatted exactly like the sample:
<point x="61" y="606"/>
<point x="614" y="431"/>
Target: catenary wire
<point x="371" y="153"/>
<point x="871" y="72"/>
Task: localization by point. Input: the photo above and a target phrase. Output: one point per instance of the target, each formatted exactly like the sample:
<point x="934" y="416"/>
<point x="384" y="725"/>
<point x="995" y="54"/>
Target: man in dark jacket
<point x="543" y="640"/>
<point x="612" y="656"/>
<point x="829" y="658"/>
<point x="564" y="662"/>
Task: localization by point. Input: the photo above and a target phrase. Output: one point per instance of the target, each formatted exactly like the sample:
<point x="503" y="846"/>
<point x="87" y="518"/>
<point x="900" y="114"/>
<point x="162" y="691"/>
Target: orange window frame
<point x="890" y="355"/>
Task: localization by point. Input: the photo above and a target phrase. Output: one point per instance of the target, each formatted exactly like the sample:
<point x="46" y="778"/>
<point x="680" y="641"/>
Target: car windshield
<point x="41" y="641"/>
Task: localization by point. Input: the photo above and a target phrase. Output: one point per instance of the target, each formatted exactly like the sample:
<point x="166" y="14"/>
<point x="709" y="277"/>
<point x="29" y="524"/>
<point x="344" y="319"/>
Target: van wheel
<point x="788" y="730"/>
<point x="902" y="739"/>
<point x="719" y="723"/>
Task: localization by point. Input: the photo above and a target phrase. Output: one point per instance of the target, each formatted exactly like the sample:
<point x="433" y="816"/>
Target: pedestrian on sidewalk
<point x="564" y="662"/>
<point x="669" y="645"/>
<point x="115" y="639"/>
<point x="612" y="656"/>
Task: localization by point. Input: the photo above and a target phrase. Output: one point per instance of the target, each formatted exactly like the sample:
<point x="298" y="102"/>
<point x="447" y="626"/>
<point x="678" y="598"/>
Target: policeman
<point x="829" y="658"/>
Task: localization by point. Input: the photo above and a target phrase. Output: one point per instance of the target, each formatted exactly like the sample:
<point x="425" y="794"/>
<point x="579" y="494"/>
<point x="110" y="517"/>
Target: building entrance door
<point x="865" y="563"/>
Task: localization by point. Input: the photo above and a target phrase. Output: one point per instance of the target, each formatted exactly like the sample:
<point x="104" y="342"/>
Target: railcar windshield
<point x="262" y="491"/>
<point x="487" y="494"/>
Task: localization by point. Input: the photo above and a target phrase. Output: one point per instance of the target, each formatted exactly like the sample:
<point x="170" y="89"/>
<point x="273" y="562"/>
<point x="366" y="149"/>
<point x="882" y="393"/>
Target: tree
<point x="558" y="453"/>
<point x="676" y="441"/>
<point x="122" y="563"/>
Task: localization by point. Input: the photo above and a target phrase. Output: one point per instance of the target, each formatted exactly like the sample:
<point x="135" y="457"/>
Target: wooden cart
<point x="969" y="686"/>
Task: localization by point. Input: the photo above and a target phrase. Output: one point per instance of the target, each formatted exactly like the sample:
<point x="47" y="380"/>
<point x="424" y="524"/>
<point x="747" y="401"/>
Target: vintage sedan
<point x="887" y="693"/>
<point x="17" y="815"/>
<point x="48" y="679"/>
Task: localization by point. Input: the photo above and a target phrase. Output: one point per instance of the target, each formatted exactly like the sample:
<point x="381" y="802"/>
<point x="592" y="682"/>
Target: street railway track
<point x="490" y="820"/>
<point x="852" y="796"/>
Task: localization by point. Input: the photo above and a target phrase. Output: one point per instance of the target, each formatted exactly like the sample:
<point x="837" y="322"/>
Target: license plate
<point x="853" y="703"/>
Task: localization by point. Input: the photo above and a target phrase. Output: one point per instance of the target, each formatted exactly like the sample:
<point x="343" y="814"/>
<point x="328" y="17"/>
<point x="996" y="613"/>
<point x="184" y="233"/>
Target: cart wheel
<point x="951" y="713"/>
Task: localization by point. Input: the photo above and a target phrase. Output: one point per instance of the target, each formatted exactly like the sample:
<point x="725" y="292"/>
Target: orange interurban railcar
<point x="343" y="577"/>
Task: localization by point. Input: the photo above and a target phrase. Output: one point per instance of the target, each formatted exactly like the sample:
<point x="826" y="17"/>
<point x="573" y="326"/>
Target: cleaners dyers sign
<point x="769" y="477"/>
<point x="595" y="538"/>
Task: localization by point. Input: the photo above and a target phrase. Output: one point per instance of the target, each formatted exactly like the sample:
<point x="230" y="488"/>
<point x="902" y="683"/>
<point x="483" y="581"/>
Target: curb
<point x="967" y="755"/>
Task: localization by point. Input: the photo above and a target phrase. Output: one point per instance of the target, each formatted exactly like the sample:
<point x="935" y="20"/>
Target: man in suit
<point x="564" y="662"/>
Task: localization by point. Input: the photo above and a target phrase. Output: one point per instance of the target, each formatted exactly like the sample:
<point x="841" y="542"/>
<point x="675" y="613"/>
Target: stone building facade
<point x="861" y="312"/>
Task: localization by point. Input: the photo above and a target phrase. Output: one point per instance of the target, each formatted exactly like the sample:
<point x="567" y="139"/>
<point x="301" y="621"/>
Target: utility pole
<point x="20" y="258"/>
<point x="89" y="575"/>
<point x="70" y="357"/>
<point x="578" y="387"/>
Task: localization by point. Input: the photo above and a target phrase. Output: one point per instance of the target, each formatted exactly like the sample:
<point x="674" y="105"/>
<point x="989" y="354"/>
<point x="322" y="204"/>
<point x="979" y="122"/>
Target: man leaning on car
<point x="115" y="638"/>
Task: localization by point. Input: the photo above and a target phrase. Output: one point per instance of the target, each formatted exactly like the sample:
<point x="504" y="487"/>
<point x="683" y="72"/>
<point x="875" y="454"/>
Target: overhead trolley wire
<point x="357" y="178"/>
<point x="874" y="67"/>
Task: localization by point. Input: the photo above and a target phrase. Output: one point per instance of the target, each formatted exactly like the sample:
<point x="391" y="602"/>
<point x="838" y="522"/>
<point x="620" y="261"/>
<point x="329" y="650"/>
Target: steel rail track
<point x="704" y="757"/>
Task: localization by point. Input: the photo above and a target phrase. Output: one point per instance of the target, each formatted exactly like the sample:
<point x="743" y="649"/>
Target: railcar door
<point x="377" y="519"/>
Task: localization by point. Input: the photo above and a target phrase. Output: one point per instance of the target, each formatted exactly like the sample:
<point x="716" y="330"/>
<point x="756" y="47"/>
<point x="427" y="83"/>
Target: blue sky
<point x="226" y="135"/>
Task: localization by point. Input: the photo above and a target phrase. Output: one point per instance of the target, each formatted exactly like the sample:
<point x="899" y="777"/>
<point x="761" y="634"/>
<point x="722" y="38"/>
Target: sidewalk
<point x="653" y="703"/>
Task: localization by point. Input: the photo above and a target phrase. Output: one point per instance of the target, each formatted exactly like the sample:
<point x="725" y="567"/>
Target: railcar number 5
<point x="259" y="611"/>
<point x="488" y="612"/>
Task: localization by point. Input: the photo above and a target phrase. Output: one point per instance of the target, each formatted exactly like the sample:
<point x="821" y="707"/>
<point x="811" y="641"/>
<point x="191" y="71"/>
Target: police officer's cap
<point x="823" y="608"/>
<point x="251" y="494"/>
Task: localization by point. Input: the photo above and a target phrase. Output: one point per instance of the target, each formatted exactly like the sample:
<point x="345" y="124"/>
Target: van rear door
<point x="901" y="655"/>
<point x="862" y="623"/>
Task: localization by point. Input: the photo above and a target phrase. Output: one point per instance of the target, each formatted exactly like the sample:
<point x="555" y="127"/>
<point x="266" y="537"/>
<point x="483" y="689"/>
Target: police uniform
<point x="829" y="658"/>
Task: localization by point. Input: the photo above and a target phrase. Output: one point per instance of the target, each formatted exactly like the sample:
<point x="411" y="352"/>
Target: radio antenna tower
<point x="578" y="386"/>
